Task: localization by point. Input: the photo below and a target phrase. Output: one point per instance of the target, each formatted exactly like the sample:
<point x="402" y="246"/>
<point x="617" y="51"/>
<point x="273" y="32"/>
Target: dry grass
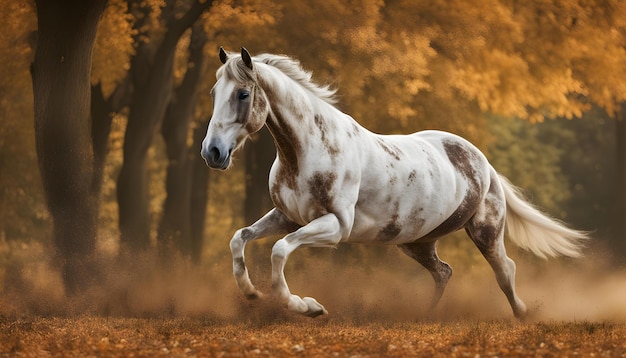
<point x="205" y="337"/>
<point x="377" y="306"/>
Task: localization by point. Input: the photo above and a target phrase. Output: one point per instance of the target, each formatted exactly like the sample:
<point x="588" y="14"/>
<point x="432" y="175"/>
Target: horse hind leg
<point x="426" y="254"/>
<point x="486" y="229"/>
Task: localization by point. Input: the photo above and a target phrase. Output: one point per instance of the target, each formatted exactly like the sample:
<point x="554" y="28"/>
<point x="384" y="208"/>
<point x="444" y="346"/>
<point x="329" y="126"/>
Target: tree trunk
<point x="101" y="119"/>
<point x="151" y="73"/>
<point x="148" y="106"/>
<point x="199" y="194"/>
<point x="260" y="155"/>
<point x="102" y="112"/>
<point x="174" y="229"/>
<point x="619" y="219"/>
<point x="61" y="73"/>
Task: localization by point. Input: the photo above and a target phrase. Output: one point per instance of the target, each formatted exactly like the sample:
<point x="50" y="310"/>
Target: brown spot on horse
<point x="389" y="148"/>
<point x="321" y="124"/>
<point x="461" y="158"/>
<point x="320" y="188"/>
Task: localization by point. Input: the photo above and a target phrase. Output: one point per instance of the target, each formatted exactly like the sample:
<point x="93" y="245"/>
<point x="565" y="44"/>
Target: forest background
<point x="113" y="173"/>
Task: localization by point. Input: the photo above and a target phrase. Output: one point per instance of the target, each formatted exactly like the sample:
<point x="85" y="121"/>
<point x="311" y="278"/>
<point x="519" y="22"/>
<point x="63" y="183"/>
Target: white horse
<point x="334" y="181"/>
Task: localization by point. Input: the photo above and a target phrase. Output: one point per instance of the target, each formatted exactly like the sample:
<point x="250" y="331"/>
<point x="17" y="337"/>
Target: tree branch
<point x="178" y="26"/>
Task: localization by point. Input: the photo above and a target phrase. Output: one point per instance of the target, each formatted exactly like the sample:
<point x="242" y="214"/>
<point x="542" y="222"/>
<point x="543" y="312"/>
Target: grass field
<point x="204" y="337"/>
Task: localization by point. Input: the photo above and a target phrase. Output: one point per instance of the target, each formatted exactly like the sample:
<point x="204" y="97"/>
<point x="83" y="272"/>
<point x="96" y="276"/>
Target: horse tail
<point x="536" y="232"/>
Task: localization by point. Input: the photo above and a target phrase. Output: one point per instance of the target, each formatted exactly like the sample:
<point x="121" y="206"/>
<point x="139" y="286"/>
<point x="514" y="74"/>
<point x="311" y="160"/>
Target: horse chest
<point x="305" y="197"/>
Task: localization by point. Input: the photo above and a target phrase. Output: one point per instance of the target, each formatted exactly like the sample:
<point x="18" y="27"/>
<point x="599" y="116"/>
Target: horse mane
<point x="287" y="65"/>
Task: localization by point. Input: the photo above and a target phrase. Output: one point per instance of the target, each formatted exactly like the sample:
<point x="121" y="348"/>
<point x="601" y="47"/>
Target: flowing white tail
<point x="536" y="232"/>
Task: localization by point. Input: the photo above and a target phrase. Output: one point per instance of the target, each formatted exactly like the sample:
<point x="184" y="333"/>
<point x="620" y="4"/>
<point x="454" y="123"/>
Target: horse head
<point x="240" y="108"/>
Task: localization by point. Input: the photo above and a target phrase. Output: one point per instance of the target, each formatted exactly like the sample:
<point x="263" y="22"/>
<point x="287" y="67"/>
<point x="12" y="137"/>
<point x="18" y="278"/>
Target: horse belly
<point x="395" y="230"/>
<point x="402" y="212"/>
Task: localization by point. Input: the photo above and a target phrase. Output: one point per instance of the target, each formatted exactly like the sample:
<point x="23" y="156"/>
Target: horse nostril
<point x="214" y="154"/>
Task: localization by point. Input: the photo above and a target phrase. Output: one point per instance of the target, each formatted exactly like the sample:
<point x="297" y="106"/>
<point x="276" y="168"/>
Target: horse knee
<point x="236" y="244"/>
<point x="280" y="250"/>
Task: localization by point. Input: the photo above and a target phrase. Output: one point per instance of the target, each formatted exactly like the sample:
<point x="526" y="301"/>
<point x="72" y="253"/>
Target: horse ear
<point x="245" y="55"/>
<point x="223" y="55"/>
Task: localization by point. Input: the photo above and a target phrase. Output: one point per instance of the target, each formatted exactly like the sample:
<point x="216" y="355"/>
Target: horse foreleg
<point x="324" y="231"/>
<point x="273" y="223"/>
<point x="426" y="254"/>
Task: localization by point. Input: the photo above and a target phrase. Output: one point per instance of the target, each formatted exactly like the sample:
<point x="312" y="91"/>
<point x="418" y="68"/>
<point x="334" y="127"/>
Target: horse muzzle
<point x="216" y="156"/>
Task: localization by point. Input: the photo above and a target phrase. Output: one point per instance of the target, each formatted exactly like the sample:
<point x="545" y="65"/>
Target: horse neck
<point x="291" y="119"/>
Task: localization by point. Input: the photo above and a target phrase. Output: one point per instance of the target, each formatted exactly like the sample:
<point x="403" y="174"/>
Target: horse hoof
<point x="314" y="308"/>
<point x="316" y="313"/>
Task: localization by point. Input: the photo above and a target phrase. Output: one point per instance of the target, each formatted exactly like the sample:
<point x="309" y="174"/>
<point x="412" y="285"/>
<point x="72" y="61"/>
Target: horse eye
<point x="243" y="95"/>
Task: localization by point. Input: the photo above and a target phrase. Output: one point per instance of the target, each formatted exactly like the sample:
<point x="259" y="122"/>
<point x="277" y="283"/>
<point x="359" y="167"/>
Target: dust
<point x="144" y="285"/>
<point x="356" y="284"/>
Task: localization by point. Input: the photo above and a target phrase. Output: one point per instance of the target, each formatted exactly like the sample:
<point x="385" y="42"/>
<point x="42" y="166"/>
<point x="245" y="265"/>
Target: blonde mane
<point x="292" y="68"/>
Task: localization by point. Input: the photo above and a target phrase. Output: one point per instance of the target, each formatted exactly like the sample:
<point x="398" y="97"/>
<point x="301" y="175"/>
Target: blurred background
<point x="539" y="86"/>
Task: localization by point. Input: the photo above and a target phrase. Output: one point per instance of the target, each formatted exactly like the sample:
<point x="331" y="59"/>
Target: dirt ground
<point x="376" y="309"/>
<point x="294" y="336"/>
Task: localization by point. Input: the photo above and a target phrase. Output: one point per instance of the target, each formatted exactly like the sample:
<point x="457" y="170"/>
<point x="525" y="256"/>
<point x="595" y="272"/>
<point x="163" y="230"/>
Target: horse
<point x="333" y="181"/>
